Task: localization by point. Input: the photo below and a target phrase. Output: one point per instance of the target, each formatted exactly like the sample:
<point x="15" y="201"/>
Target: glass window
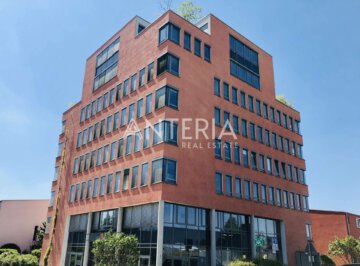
<point x="131" y="113"/>
<point x="228" y="185"/>
<point x="113" y="151"/>
<point x="187" y="41"/>
<point x="126" y="87"/>
<point x="148" y="103"/>
<point x="106" y="151"/>
<point x="218" y="183"/>
<point x="150" y="74"/>
<point x="142" y="77"/>
<point x="252" y="131"/>
<point x="88" y="191"/>
<point x="207" y="52"/>
<point x="226" y="91"/>
<point x="139" y="109"/>
<point x="197" y="47"/>
<point x="256" y="191"/>
<point x="166" y="96"/>
<point x="243" y="99"/>
<point x="251" y="103"/>
<point x="260" y="134"/>
<point x="169" y="32"/>
<point x="253" y="160"/>
<point x="216" y="87"/>
<point x="95" y="189"/>
<point x="271" y="196"/>
<point x="128" y="144"/>
<point x="169" y="63"/>
<point x="247" y="189"/>
<point x="236" y="124"/>
<point x="144" y="174"/>
<point x="109" y="184"/>
<point x="118" y="92"/>
<point x="227" y="151"/>
<point x="236" y="154"/>
<point x="234" y="95"/>
<point x="102" y="186"/>
<point x="238" y="189"/>
<point x="258" y="107"/>
<point x="244" y="128"/>
<point x="286" y="199"/>
<point x="267" y="137"/>
<point x="266" y="113"/>
<point x="218" y="148"/>
<point x="126" y="179"/>
<point x="227" y="120"/>
<point x="108" y="124"/>
<point x="269" y="165"/>
<point x="217" y="115"/>
<point x="263" y="194"/>
<point x="137" y="141"/>
<point x="278" y="196"/>
<point x="134" y="177"/>
<point x="120" y="148"/>
<point x="117" y="181"/>
<point x="116" y="121"/>
<point x="262" y="163"/>
<point x="133" y="83"/>
<point x="164" y="170"/>
<point x="146" y="140"/>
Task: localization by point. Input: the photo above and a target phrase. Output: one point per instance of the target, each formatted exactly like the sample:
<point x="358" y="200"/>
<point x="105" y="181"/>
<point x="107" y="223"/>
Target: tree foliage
<point x="241" y="263"/>
<point x="326" y="261"/>
<point x="39" y="236"/>
<point x="281" y="98"/>
<point x="189" y="11"/>
<point x="10" y="257"/>
<point x="116" y="249"/>
<point x="348" y="249"/>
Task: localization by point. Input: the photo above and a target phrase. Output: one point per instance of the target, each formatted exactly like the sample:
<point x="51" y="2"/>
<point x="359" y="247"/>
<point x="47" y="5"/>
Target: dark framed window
<point x="166" y="96"/>
<point x="228" y="183"/>
<point x="197" y="47"/>
<point x="247" y="189"/>
<point x="236" y="123"/>
<point x="217" y="116"/>
<point x="165" y="131"/>
<point x="251" y="103"/>
<point x="207" y="52"/>
<point x="258" y="107"/>
<point x="238" y="187"/>
<point x="252" y="131"/>
<point x="163" y="170"/>
<point x="243" y="99"/>
<point x="244" y="128"/>
<point x="187" y="41"/>
<point x="217" y="148"/>
<point x="244" y="62"/>
<point x="142" y="77"/>
<point x="218" y="183"/>
<point x="150" y="72"/>
<point x="227" y="151"/>
<point x="245" y="157"/>
<point x="169" y="32"/>
<point x="226" y="91"/>
<point x="148" y="104"/>
<point x="234" y="95"/>
<point x="216" y="87"/>
<point x="237" y="154"/>
<point x="168" y="63"/>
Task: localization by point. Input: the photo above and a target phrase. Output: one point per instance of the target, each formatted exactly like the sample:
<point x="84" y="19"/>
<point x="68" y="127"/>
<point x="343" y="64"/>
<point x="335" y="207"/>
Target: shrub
<point x="326" y="261"/>
<point x="116" y="249"/>
<point x="241" y="263"/>
<point x="10" y="257"/>
<point x="264" y="262"/>
<point x="36" y="253"/>
<point x="8" y="250"/>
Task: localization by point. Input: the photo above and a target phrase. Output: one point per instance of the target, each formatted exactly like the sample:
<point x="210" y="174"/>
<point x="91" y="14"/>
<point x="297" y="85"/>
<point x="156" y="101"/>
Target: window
<point x="244" y="62"/>
<point x="266" y="113"/>
<point x="218" y="183"/>
<point x="163" y="170"/>
<point x="96" y="126"/>
<point x="217" y="148"/>
<point x="251" y="103"/>
<point x="126" y="179"/>
<point x="285" y="120"/>
<point x="133" y="83"/>
<point x="278" y="114"/>
<point x="79" y="140"/>
<point x="92" y="159"/>
<point x="87" y="112"/>
<point x="283" y="170"/>
<point x="217" y="115"/>
<point x="128" y="144"/>
<point x="260" y="134"/>
<point x="228" y="185"/>
<point x="105" y="100"/>
<point x="277" y="169"/>
<point x="48" y="225"/>
<point x="165" y="131"/>
<point x="267" y="137"/>
<point x="139" y="108"/>
<point x="308" y="231"/>
<point x="290" y="172"/>
<point x="253" y="160"/>
<point x="187" y="41"/>
<point x="150" y="73"/>
<point x="274" y="140"/>
<point x="258" y="107"/>
<point x="287" y="146"/>
<point x="236" y="124"/>
<point x="281" y="143"/>
<point x="98" y="157"/>
<point x="236" y="154"/>
<point x="52" y="197"/>
<point x="60" y="147"/>
<point x="169" y="63"/>
<point x="256" y="191"/>
<point x="166" y="96"/>
<point x="84" y="138"/>
<point x="286" y="199"/>
<point x="292" y="200"/>
<point x="278" y="197"/>
<point x="116" y="121"/>
<point x="140" y="28"/>
<point x="252" y="131"/>
<point x="120" y="148"/>
<point x="169" y="32"/>
<point x="207" y="52"/>
<point x="272" y="114"/>
<point x="299" y="151"/>
<point x="227" y="151"/>
<point x="298" y="202"/>
<point x="234" y="95"/>
<point x="244" y="128"/>
<point x="88" y="191"/>
<point x="142" y="77"/>
<point x="137" y="141"/>
<point x="197" y="47"/>
<point x="271" y="196"/>
<point x="358" y="222"/>
<point x="293" y="148"/>
<point x="102" y="128"/>
<point x="245" y="158"/>
<point x="90" y="134"/>
<point x="247" y="189"/>
<point x="146" y="140"/>
<point x="148" y="105"/>
<point x="108" y="124"/>
<point x="98" y="104"/>
<point x="227" y="120"/>
<point x="243" y="99"/>
<point x="238" y="190"/>
<point x="106" y="64"/>
<point x="262" y="163"/>
<point x="111" y="97"/>
<point x="226" y="91"/>
<point x="297" y="127"/>
<point x="82" y="115"/>
<point x="131" y="113"/>
<point x="263" y="194"/>
<point x="109" y="184"/>
<point x="296" y="170"/>
<point x="134" y="177"/>
<point x="269" y="165"/>
<point x="306" y="203"/>
<point x="144" y="174"/>
<point x="126" y="87"/>
<point x="106" y="151"/>
<point x="117" y="181"/>
<point x="113" y="151"/>
<point x="216" y="87"/>
<point x="95" y="189"/>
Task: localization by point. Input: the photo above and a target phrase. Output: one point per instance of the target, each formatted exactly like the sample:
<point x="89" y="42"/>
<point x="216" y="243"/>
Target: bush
<point x="10" y="257"/>
<point x="241" y="263"/>
<point x="36" y="253"/>
<point x="263" y="262"/>
<point x="116" y="249"/>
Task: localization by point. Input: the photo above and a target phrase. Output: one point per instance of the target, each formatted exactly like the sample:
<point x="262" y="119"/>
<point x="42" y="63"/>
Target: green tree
<point x="39" y="236"/>
<point x="348" y="249"/>
<point x="189" y="11"/>
<point x="116" y="249"/>
<point x="282" y="99"/>
<point x="10" y="257"/>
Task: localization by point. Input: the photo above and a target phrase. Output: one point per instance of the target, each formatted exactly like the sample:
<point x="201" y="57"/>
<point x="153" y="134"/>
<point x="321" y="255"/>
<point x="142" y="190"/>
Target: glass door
<point x="144" y="260"/>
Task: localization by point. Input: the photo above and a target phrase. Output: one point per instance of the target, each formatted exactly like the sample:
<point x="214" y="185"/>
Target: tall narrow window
<point x="216" y="87"/>
<point x="148" y="105"/>
<point x="227" y="151"/>
<point x="142" y="77"/>
<point x="207" y="52"/>
<point x="256" y="191"/>
<point x="134" y="177"/>
<point x="150" y="73"/>
<point x="144" y="174"/>
<point x="217" y="115"/>
<point x="187" y="41"/>
<point x="264" y="194"/>
<point x="197" y="47"/>
<point x="226" y="91"/>
<point x="128" y="144"/>
<point x="238" y="188"/>
<point x="228" y="185"/>
<point x="139" y="108"/>
<point x="218" y="183"/>
<point x="217" y="148"/>
<point x="126" y="179"/>
<point x="245" y="158"/>
<point x="247" y="189"/>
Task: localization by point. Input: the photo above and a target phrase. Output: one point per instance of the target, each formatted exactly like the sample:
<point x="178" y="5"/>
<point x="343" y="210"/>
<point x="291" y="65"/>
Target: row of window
<point x="165" y="63"/>
<point x="263" y="136"/>
<point x="172" y="32"/>
<point x="163" y="131"/>
<point x="162" y="170"/>
<point x="245" y="189"/>
<point x="251" y="159"/>
<point x="165" y="96"/>
<point x="262" y="109"/>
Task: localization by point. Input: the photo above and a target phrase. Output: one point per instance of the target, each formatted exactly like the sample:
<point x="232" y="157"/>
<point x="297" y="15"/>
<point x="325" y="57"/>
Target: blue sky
<point x="314" y="44"/>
